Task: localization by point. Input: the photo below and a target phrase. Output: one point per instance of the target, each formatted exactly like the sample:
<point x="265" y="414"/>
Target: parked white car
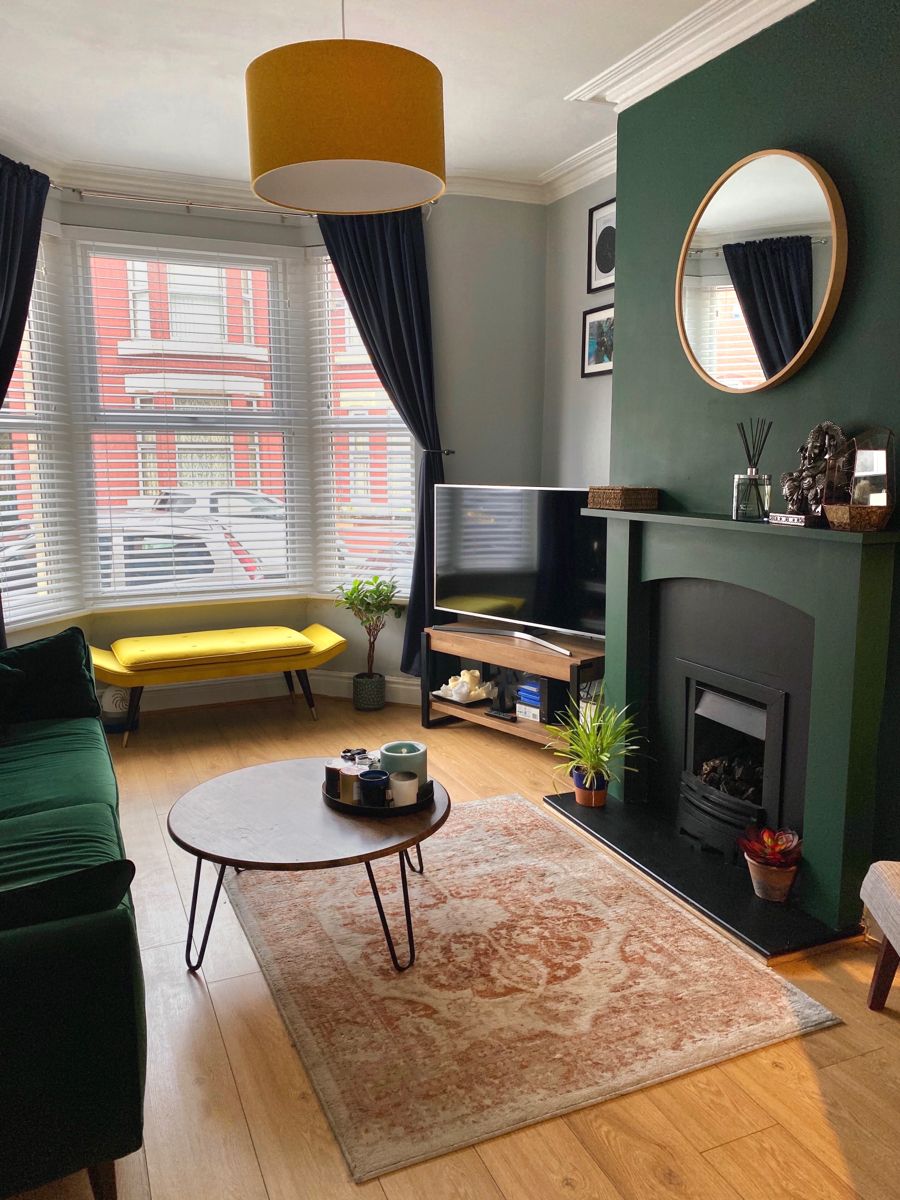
<point x="256" y="519"/>
<point x="139" y="550"/>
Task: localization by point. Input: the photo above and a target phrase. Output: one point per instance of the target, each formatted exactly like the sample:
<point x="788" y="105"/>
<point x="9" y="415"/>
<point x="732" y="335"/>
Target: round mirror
<point x="761" y="271"/>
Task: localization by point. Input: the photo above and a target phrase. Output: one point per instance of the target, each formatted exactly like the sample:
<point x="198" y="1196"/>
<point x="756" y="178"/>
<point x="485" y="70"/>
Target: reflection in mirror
<point x="761" y="268"/>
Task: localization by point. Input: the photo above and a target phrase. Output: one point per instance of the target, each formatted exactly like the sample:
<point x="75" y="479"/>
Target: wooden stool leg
<point x="885" y="970"/>
<point x="134" y="707"/>
<point x="103" y="1180"/>
<point x="289" y="680"/>
<point x="307" y="692"/>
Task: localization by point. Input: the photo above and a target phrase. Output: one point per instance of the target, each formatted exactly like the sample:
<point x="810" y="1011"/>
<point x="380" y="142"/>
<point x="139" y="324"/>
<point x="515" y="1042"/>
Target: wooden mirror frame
<point x="833" y="288"/>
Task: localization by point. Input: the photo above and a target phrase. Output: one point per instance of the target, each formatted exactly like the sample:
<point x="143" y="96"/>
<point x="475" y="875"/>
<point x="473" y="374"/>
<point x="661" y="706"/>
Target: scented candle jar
<point x="405" y="756"/>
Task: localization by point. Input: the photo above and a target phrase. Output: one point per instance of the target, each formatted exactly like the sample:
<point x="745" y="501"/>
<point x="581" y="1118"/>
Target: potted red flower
<point x="773" y="856"/>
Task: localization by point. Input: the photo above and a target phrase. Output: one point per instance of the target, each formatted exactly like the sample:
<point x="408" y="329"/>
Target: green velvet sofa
<point x="72" y="1030"/>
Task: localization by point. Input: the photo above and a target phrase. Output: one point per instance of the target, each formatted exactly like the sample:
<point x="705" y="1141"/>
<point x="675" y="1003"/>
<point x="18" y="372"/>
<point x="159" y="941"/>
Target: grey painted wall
<point x="577" y="412"/>
<point x="486" y="270"/>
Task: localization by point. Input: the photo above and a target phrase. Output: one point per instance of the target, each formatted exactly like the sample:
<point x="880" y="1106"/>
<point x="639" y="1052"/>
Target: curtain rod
<point x="718" y="249"/>
<point x="81" y="193"/>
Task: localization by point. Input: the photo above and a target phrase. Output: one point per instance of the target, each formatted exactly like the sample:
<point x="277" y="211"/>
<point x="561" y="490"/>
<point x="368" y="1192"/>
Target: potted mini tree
<point x="773" y="856"/>
<point x="593" y="742"/>
<point x="371" y="601"/>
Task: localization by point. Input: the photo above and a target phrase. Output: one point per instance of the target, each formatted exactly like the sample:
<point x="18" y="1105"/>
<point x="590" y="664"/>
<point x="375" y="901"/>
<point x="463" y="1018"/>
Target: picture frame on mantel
<point x="601" y="258"/>
<point x="597" y="341"/>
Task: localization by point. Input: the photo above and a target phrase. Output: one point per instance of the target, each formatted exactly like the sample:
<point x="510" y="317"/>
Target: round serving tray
<point x="377" y="811"/>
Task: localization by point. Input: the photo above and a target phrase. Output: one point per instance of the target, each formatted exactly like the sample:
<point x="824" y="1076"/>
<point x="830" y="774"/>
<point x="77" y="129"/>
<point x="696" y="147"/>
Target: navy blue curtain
<point x="379" y="259"/>
<point x="773" y="282"/>
<point x="23" y="193"/>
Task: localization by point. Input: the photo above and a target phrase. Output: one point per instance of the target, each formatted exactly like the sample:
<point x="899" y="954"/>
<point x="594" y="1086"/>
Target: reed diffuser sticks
<point x="756" y="443"/>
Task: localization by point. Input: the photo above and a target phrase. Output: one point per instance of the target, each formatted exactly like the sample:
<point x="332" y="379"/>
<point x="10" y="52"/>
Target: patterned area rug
<point x="548" y="977"/>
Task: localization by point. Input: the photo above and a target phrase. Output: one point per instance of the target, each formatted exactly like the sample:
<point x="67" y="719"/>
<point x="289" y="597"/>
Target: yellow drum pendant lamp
<point x="345" y="126"/>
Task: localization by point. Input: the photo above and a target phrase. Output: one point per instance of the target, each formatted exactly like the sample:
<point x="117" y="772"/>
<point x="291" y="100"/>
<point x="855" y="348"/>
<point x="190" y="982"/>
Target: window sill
<point x="150" y="347"/>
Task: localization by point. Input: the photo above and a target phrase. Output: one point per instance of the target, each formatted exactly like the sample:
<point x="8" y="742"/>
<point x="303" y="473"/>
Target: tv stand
<point x="507" y="633"/>
<point x="563" y="664"/>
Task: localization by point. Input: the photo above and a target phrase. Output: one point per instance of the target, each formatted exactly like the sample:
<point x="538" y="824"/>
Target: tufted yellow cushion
<point x="210" y="646"/>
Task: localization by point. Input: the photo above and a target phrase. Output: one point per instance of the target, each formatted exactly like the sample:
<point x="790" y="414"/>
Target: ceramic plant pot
<point x="594" y="797"/>
<point x="368" y="692"/>
<point x="771" y="883"/>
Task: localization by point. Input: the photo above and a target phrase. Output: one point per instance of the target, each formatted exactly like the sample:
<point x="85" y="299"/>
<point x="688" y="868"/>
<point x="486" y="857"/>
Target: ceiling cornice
<point x="578" y="170"/>
<point x="702" y="35"/>
<point x="469" y="183"/>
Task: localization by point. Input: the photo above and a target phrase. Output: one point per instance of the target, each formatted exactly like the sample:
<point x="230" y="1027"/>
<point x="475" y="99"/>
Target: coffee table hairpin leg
<point x="420" y="869"/>
<point x="410" y="939"/>
<point x="195" y="966"/>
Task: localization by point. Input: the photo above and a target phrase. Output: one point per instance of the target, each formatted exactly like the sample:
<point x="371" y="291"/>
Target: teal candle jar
<point x="405" y="756"/>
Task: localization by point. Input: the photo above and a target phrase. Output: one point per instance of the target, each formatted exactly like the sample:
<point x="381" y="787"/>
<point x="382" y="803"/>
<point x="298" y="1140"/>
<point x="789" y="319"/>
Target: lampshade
<point x="345" y="126"/>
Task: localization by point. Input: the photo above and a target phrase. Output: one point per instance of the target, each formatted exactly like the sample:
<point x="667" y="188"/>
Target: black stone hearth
<point x="709" y="883"/>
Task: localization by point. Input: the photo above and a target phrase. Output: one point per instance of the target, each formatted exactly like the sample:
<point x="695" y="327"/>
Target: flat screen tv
<point x="524" y="555"/>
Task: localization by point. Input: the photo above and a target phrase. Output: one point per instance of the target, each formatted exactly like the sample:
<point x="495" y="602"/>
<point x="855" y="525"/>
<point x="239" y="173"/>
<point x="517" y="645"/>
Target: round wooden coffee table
<point x="272" y="818"/>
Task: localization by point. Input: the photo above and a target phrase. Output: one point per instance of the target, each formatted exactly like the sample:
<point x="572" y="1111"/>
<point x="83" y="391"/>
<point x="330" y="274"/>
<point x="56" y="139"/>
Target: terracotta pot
<point x="589" y="797"/>
<point x="771" y="883"/>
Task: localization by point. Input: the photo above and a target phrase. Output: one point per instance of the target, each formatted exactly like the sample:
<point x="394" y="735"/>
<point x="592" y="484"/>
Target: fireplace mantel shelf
<point x="723" y="522"/>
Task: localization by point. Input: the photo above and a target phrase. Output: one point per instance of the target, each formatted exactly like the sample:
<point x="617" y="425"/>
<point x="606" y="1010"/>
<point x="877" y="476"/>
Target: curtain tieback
<point x="445" y="452"/>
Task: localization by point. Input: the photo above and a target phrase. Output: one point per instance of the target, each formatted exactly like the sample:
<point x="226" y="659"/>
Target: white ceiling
<point x="158" y="84"/>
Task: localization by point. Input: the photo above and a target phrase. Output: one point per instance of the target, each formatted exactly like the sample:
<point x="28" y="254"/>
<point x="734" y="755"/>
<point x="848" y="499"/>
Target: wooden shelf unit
<point x="442" y="650"/>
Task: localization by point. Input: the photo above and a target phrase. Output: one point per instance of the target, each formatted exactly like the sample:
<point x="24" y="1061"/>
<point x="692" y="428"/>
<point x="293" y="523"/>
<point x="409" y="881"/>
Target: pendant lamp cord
<point x="343" y="22"/>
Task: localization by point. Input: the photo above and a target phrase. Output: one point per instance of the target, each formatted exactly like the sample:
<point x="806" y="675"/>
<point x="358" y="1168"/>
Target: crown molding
<point x="469" y="183"/>
<point x="702" y="35"/>
<point x="578" y="170"/>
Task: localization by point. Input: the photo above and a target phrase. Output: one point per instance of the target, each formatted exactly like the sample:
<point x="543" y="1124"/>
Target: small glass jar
<point x="751" y="496"/>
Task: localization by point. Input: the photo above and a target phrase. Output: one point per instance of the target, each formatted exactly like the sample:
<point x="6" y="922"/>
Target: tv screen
<point x="520" y="554"/>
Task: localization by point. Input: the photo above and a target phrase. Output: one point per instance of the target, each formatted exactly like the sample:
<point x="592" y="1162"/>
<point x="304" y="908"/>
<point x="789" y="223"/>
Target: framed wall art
<point x="601" y="266"/>
<point x="597" y="341"/>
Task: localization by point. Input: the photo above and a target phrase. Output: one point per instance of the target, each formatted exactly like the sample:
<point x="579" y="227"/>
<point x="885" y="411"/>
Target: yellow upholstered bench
<point x="136" y="663"/>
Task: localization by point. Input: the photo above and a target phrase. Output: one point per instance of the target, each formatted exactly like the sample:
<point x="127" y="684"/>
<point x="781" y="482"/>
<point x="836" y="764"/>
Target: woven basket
<point x="634" y="499"/>
<point x="857" y="518"/>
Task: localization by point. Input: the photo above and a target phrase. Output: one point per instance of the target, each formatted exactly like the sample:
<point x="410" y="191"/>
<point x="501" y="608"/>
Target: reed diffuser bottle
<point x="752" y="492"/>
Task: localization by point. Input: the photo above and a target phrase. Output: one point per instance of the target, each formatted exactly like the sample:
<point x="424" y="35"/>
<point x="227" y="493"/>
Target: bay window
<point x="214" y="429"/>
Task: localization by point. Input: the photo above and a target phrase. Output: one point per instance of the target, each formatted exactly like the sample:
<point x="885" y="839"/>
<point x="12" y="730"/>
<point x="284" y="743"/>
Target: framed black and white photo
<point x="601" y="267"/>
<point x="597" y="342"/>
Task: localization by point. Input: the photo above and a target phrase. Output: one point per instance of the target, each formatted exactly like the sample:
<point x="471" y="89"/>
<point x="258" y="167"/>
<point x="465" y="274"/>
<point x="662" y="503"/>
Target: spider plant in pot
<point x="773" y="856"/>
<point x="371" y="601"/>
<point x="593" y="742"/>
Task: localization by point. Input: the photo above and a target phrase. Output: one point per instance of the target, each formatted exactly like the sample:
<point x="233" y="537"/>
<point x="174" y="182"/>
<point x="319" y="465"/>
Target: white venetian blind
<point x="189" y="382"/>
<point x="39" y="568"/>
<point x="718" y="333"/>
<point x="363" y="455"/>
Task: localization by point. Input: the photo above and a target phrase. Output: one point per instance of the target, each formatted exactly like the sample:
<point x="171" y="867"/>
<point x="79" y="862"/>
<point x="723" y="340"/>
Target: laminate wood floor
<point x="230" y="1114"/>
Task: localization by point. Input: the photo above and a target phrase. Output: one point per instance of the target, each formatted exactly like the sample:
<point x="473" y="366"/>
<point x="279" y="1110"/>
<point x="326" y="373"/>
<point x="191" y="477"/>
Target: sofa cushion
<point x="11" y="684"/>
<point x="48" y="765"/>
<point x="59" y="681"/>
<point x="45" y="845"/>
<point x="74" y="894"/>
<point x="210" y="646"/>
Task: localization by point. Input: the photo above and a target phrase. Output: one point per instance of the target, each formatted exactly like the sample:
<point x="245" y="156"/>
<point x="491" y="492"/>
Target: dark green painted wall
<point x="825" y="82"/>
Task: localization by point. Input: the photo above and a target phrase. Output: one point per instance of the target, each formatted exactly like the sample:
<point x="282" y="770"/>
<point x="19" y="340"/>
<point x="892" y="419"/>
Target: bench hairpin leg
<point x="308" y="694"/>
<point x="134" y="708"/>
<point x="196" y="964"/>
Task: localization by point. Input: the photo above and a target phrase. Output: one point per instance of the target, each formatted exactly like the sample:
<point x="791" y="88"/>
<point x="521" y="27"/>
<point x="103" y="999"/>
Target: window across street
<point x="210" y="424"/>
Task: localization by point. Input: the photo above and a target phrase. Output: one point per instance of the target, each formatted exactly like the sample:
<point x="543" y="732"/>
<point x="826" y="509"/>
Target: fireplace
<point x="731" y="771"/>
<point x="796" y="619"/>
